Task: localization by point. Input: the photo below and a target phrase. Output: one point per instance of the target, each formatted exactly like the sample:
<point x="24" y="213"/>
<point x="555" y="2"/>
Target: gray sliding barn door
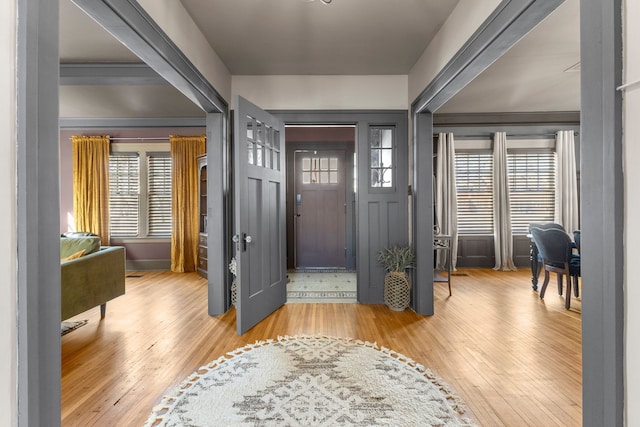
<point x="259" y="206"/>
<point x="382" y="195"/>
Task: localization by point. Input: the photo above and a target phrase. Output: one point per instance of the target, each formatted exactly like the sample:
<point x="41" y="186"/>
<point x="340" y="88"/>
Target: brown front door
<point x="320" y="210"/>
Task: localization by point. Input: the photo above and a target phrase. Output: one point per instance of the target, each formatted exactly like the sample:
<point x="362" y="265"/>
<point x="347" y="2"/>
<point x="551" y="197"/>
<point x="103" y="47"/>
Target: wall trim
<point x="148" y="264"/>
<point x="602" y="221"/>
<point x="508" y="118"/>
<point x="107" y="74"/>
<point x="38" y="358"/>
<point x="68" y="123"/>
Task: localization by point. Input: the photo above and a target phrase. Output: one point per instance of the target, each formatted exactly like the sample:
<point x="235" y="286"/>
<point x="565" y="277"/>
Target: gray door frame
<point x="370" y="274"/>
<point x="601" y="186"/>
<point x="38" y="286"/>
<point x="38" y="305"/>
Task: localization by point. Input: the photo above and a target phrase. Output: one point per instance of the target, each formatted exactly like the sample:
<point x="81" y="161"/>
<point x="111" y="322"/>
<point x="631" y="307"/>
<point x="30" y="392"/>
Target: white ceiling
<point x="347" y="37"/>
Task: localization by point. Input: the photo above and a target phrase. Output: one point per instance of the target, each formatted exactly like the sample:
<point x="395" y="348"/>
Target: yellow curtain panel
<point x="184" y="238"/>
<point x="91" y="184"/>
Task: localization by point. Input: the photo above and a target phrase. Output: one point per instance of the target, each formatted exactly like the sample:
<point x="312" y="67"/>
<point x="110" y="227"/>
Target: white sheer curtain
<point x="446" y="198"/>
<point x="566" y="201"/>
<point x="502" y="235"/>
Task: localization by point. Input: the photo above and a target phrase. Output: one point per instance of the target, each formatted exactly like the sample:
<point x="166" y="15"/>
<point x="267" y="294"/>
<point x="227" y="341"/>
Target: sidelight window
<point x="381" y="151"/>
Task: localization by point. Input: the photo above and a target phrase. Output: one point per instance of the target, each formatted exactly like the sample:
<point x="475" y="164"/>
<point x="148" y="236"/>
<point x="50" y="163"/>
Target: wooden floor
<point x="514" y="359"/>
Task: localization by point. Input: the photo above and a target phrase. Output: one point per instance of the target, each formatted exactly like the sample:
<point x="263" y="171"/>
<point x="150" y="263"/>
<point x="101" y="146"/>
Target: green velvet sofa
<point x="96" y="276"/>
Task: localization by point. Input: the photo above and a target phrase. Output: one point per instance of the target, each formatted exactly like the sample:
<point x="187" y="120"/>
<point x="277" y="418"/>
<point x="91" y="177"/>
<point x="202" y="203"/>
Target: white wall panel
<point x="8" y="366"/>
<point x="323" y="92"/>
<point x="631" y="135"/>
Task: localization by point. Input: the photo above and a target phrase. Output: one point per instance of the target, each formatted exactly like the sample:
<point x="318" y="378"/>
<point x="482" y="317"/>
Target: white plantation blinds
<point x="159" y="194"/>
<point x="474" y="181"/>
<point x="140" y="194"/>
<point x="124" y="194"/>
<point x="531" y="188"/>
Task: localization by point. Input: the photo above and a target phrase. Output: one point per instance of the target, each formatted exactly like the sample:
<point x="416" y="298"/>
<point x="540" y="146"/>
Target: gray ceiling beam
<point x="106" y="74"/>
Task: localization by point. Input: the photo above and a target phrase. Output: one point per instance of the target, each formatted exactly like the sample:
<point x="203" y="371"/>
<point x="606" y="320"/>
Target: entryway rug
<point x="311" y="381"/>
<point x="71" y="325"/>
<point x="322" y="286"/>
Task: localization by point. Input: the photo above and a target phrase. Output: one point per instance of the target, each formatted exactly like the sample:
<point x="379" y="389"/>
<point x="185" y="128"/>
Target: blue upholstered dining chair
<point x="538" y="264"/>
<point x="556" y="248"/>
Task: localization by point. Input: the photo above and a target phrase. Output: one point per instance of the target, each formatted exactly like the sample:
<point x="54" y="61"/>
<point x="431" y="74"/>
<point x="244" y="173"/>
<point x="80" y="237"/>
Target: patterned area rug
<point x="321" y="286"/>
<point x="71" y="325"/>
<point x="310" y="381"/>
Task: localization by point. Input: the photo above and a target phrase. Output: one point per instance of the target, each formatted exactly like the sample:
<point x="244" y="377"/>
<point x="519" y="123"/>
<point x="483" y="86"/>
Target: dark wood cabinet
<point x="202" y="216"/>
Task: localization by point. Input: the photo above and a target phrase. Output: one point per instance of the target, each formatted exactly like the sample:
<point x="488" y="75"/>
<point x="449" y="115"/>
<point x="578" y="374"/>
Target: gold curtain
<point x="184" y="206"/>
<point x="91" y="184"/>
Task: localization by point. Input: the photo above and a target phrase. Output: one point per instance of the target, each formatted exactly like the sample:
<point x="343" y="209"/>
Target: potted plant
<point x="396" y="260"/>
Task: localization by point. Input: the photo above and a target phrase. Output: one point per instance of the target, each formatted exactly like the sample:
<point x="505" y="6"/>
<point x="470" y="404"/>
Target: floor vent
<point x="134" y="276"/>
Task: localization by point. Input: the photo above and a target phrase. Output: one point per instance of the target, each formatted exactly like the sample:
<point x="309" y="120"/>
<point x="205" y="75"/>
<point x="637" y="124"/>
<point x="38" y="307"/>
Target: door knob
<point x="248" y="239"/>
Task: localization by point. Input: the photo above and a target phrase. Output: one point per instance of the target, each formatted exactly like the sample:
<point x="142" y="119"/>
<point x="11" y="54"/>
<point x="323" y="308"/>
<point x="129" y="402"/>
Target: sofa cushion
<point x="73" y="256"/>
<point x="72" y="245"/>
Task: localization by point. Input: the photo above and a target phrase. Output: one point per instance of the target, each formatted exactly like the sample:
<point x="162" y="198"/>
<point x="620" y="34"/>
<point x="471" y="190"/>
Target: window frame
<point x="476" y="151"/>
<point x="514" y="145"/>
<point x="144" y="149"/>
<point x="554" y="171"/>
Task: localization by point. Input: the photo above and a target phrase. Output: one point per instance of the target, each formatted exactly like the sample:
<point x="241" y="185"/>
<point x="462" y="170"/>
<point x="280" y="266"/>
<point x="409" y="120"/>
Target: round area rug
<point x="310" y="381"/>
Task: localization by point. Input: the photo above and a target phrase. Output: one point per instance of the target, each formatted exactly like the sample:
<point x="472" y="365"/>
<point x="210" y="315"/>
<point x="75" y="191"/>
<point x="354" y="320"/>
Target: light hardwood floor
<point x="515" y="360"/>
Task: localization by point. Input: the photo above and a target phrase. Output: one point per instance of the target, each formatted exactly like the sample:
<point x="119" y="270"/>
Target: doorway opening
<point x="321" y="213"/>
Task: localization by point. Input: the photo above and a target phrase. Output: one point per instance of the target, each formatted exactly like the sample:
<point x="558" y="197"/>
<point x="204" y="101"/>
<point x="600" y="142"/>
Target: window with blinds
<point x="531" y="188"/>
<point x="124" y="194"/>
<point x="140" y="194"/>
<point x="474" y="181"/>
<point x="159" y="194"/>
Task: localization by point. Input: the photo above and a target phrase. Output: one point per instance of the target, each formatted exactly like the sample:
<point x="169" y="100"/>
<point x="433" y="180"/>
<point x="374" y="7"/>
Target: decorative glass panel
<point x="250" y="152"/>
<point x="259" y="132"/>
<point x="324" y="177"/>
<point x="333" y="163"/>
<point x="381" y="157"/>
<point x="267" y="157"/>
<point x="306" y="177"/>
<point x="324" y="164"/>
<point x="306" y="164"/>
<point x="250" y="128"/>
<point x="333" y="177"/>
<point x="259" y="155"/>
<point x="386" y="135"/>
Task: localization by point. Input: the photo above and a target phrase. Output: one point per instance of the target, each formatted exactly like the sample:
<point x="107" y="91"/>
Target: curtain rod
<point x="143" y="138"/>
<point x="489" y="135"/>
<point x="138" y="138"/>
